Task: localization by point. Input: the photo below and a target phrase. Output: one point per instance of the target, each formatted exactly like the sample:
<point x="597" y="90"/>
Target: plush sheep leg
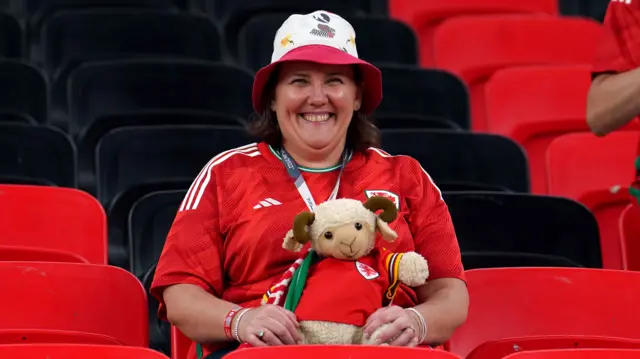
<point x="413" y="269"/>
<point x="319" y="332"/>
<point x="374" y="336"/>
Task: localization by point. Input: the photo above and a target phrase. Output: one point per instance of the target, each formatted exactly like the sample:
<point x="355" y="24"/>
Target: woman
<point x="224" y="249"/>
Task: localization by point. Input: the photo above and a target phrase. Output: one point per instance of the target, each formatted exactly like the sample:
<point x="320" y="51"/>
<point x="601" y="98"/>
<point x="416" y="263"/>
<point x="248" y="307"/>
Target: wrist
<point x="420" y="324"/>
<point x="228" y="320"/>
<point x="236" y="324"/>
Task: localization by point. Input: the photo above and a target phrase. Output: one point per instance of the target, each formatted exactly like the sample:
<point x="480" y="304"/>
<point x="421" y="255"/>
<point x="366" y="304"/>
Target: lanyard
<point x="301" y="185"/>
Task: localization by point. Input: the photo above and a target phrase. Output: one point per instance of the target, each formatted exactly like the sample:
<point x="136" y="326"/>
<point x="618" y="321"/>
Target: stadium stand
<point x="110" y="108"/>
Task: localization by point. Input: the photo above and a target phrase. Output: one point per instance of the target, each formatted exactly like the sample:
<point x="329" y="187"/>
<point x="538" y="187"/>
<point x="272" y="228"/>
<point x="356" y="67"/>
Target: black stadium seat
<point x="410" y="90"/>
<point x="88" y="139"/>
<point x="99" y="89"/>
<point x="37" y="11"/>
<point x="23" y="90"/>
<point x="459" y="160"/>
<point x="128" y="157"/>
<point x="73" y="37"/>
<point x="380" y="40"/>
<point x="37" y="154"/>
<point x="390" y="121"/>
<point x="149" y="222"/>
<point x="11" y="37"/>
<point x="561" y="232"/>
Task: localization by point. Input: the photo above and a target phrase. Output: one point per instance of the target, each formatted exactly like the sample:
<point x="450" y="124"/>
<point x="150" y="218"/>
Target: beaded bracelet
<point x="423" y="325"/>
<point x="236" y="336"/>
<point x="228" y="319"/>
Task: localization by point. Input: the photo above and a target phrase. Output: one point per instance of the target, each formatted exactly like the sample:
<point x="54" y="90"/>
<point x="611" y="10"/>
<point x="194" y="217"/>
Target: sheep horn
<point x="390" y="212"/>
<point x="299" y="226"/>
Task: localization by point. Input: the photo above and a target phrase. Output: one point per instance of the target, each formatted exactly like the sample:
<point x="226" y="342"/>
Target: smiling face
<point x="347" y="242"/>
<point x="314" y="104"/>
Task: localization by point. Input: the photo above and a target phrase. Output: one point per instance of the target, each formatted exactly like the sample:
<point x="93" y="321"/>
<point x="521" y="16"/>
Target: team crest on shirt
<point x="366" y="271"/>
<point x="384" y="193"/>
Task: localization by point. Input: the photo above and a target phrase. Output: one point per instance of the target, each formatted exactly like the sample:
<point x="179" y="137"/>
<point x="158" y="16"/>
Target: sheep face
<point x="348" y="241"/>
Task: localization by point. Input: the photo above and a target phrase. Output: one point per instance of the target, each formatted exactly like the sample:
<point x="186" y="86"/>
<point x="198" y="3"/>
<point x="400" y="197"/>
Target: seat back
<point x="629" y="226"/>
<point x="525" y="224"/>
<point x="23" y="89"/>
<point x="37" y="153"/>
<point x="425" y="16"/>
<point x="73" y="297"/>
<point x="596" y="353"/>
<point x="99" y="89"/>
<point x="589" y="169"/>
<point x="476" y="55"/>
<point x="521" y="302"/>
<point x="409" y="90"/>
<point x="149" y="222"/>
<point x="51" y="218"/>
<point x="133" y="156"/>
<point x="550" y="101"/>
<point x="454" y="156"/>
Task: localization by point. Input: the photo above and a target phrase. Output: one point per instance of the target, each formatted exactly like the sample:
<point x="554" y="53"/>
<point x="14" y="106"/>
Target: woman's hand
<point x="402" y="330"/>
<point x="269" y="325"/>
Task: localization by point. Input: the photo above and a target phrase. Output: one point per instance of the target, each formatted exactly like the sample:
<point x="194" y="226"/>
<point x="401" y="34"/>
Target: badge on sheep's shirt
<point x="384" y="193"/>
<point x="366" y="271"/>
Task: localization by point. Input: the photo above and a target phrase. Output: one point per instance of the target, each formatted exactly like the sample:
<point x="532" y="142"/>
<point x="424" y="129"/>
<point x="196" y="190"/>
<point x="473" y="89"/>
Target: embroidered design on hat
<point x="323" y="30"/>
<point x="286" y="41"/>
<point x="351" y="40"/>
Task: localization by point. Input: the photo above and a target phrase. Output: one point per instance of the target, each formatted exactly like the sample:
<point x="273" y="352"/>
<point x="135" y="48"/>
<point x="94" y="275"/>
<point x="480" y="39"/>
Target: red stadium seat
<point x="549" y="101"/>
<point x="77" y="351"/>
<point x="587" y="305"/>
<point x="586" y="168"/>
<point x="474" y="47"/>
<point x="630" y="237"/>
<point x="577" y="354"/>
<point x="51" y="224"/>
<point x="425" y="16"/>
<point x="339" y="351"/>
<point x="45" y="298"/>
<point x="180" y="344"/>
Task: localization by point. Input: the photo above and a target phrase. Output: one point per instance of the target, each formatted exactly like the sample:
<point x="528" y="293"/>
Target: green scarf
<point x="294" y="292"/>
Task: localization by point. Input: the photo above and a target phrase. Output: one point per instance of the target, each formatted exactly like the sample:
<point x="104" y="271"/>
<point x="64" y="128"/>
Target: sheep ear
<point x="387" y="233"/>
<point x="290" y="243"/>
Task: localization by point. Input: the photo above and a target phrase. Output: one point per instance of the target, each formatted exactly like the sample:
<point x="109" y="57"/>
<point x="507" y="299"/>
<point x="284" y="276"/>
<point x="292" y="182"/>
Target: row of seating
<point x="537" y="308"/>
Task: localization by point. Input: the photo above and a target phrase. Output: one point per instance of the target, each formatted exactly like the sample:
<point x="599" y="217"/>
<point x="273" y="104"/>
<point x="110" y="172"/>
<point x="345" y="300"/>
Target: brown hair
<point x="361" y="134"/>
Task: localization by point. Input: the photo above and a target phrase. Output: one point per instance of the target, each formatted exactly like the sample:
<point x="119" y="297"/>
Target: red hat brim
<point x="371" y="76"/>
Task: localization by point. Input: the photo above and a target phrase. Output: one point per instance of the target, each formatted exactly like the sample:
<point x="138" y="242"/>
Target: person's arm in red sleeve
<point x="614" y="95"/>
<point x="444" y="298"/>
<point x="189" y="279"/>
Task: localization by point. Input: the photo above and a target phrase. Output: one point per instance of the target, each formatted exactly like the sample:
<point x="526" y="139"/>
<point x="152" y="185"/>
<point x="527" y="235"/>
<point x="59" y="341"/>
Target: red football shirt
<point x="349" y="291"/>
<point x="619" y="48"/>
<point x="228" y="232"/>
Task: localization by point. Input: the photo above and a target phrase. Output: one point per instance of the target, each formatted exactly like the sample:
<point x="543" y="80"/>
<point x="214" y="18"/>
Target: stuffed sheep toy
<point x="350" y="277"/>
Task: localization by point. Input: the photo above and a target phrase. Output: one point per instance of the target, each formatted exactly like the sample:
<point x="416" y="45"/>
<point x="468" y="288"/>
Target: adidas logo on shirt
<point x="267" y="202"/>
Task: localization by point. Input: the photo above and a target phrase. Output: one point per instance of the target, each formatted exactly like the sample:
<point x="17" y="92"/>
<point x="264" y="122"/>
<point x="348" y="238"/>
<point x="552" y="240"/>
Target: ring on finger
<point x="261" y="333"/>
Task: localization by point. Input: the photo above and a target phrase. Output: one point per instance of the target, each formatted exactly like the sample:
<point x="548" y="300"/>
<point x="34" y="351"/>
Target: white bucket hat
<point x="320" y="37"/>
